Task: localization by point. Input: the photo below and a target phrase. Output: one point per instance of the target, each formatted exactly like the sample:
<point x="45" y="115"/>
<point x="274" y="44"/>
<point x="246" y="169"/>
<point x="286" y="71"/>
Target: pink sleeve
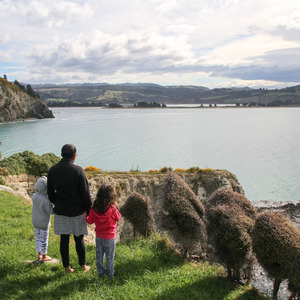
<point x="117" y="215"/>
<point x="90" y="217"/>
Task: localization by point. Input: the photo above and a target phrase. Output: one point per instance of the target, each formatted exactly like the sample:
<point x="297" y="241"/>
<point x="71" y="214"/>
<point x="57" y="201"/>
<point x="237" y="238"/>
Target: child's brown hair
<point x="105" y="198"/>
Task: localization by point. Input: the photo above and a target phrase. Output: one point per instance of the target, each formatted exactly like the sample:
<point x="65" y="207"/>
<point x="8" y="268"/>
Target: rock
<point x="7" y="189"/>
<point x="16" y="105"/>
<point x="38" y="262"/>
<point x="23" y="185"/>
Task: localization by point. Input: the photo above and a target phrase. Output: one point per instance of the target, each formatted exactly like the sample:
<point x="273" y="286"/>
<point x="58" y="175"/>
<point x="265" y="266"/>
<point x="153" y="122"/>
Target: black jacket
<point x="68" y="189"/>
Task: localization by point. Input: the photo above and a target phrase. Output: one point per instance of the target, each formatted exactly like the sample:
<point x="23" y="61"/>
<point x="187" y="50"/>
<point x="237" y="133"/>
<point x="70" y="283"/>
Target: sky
<point x="211" y="43"/>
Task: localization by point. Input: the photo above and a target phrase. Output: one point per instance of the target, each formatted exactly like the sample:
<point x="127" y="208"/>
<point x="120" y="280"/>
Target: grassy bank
<point x="146" y="269"/>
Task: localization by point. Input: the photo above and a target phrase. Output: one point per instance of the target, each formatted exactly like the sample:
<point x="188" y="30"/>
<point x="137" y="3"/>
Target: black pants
<point x="64" y="249"/>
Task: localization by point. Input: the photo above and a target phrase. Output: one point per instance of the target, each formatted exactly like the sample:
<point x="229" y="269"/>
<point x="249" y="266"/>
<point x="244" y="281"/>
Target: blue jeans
<point x="106" y="247"/>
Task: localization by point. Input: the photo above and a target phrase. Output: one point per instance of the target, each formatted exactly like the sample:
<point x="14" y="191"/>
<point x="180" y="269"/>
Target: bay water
<point x="259" y="145"/>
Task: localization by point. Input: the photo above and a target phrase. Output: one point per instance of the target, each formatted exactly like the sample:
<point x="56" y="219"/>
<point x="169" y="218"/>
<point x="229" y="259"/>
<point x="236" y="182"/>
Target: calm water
<point x="260" y="146"/>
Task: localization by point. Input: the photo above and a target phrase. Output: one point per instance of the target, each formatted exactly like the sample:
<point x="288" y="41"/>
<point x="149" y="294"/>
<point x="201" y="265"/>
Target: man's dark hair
<point x="68" y="151"/>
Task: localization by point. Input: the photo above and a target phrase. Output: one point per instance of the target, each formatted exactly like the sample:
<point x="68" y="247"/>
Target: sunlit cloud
<point x="210" y="43"/>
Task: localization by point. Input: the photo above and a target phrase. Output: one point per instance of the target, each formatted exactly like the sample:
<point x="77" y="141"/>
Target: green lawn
<point x="145" y="268"/>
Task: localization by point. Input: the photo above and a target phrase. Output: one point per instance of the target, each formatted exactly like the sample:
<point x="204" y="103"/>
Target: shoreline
<point x="221" y="106"/>
<point x="195" y="106"/>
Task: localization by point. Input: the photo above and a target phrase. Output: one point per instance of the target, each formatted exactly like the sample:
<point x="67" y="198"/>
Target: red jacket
<point x="106" y="225"/>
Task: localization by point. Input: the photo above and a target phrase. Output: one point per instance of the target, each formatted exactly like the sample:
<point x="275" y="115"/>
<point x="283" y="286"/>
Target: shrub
<point x="165" y="248"/>
<point x="231" y="217"/>
<point x="186" y="215"/>
<point x="165" y="170"/>
<point x="120" y="187"/>
<point x="29" y="163"/>
<point x="2" y="181"/>
<point x="225" y="196"/>
<point x="92" y="169"/>
<point x="14" y="164"/>
<point x="193" y="170"/>
<point x="138" y="211"/>
<point x="276" y="243"/>
<point x="4" y="171"/>
<point x="206" y="170"/>
<point x="179" y="170"/>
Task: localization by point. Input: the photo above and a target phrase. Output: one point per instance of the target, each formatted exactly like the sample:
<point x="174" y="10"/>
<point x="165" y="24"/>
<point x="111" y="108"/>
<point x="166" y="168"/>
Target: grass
<point x="145" y="268"/>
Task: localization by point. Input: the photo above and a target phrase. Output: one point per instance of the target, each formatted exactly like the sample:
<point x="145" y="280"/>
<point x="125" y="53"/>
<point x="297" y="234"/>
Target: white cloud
<point x="100" y="53"/>
<point x="246" y="51"/>
<point x="54" y="13"/>
<point x="172" y="40"/>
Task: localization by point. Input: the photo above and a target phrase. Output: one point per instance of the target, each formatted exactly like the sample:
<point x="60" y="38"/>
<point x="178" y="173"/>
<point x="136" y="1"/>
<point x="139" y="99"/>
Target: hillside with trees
<point x="129" y="94"/>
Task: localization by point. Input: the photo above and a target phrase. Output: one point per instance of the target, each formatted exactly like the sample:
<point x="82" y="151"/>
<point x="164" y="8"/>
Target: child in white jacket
<point x="41" y="212"/>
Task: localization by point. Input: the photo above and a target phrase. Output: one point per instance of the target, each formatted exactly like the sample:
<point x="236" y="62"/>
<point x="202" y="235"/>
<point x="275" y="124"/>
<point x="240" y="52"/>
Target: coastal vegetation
<point x="186" y="216"/>
<point x="91" y="169"/>
<point x="67" y="103"/>
<point x="138" y="211"/>
<point x="231" y="218"/>
<point x="143" y="104"/>
<point x="145" y="268"/>
<point x="277" y="246"/>
<point x="27" y="162"/>
<point x="18" y="87"/>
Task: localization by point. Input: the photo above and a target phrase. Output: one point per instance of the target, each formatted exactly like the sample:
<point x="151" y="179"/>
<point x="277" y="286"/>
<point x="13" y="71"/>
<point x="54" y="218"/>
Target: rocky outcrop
<point x="16" y="105"/>
<point x="149" y="185"/>
<point x="152" y="186"/>
<point x="22" y="185"/>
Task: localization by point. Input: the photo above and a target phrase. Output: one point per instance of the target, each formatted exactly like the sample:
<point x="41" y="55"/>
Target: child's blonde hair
<point x="105" y="198"/>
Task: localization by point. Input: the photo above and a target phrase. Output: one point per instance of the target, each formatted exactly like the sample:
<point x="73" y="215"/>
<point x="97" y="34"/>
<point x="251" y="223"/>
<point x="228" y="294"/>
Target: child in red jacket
<point x="105" y="215"/>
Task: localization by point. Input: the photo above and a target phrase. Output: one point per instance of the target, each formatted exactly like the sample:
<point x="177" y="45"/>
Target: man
<point x="68" y="190"/>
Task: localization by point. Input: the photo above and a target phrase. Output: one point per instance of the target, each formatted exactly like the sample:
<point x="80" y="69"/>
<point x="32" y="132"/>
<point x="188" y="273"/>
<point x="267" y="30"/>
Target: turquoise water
<point x="260" y="146"/>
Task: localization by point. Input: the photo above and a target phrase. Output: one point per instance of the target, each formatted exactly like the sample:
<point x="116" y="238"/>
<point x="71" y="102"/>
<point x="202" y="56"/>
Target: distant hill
<point x="128" y="94"/>
<point x="16" y="104"/>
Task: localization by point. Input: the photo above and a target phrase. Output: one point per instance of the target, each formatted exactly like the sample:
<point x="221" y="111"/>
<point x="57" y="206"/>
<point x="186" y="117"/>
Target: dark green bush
<point x="186" y="215"/>
<point x="14" y="164"/>
<point x="138" y="211"/>
<point x="276" y="243"/>
<point x="2" y="181"/>
<point x="28" y="163"/>
<point x="230" y="220"/>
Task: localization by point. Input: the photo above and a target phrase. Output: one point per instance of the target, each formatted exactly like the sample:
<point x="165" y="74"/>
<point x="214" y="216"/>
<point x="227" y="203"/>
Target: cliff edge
<point x="16" y="105"/>
<point x="151" y="186"/>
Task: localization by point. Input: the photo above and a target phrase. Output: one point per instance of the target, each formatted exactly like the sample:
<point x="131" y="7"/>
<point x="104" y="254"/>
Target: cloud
<point x="53" y="13"/>
<point x="204" y="41"/>
<point x="105" y="54"/>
